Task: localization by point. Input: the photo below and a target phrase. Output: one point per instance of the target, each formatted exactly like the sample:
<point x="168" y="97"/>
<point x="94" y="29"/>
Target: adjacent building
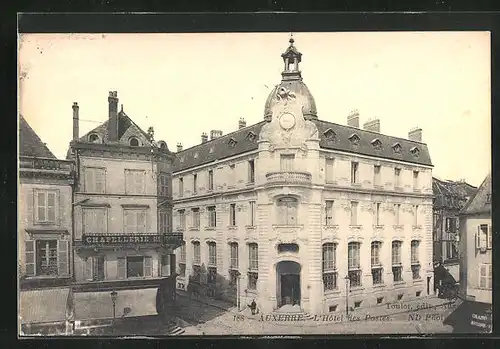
<point x="123" y="239"/>
<point x="295" y="210"/>
<point x="44" y="233"/>
<point x="449" y="198"/>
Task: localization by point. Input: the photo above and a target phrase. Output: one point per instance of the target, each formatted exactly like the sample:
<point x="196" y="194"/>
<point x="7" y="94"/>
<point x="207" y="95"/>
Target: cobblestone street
<point x="423" y="316"/>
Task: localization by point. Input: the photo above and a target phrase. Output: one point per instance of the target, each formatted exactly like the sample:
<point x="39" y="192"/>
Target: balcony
<point x="288" y="177"/>
<point x="95" y="240"/>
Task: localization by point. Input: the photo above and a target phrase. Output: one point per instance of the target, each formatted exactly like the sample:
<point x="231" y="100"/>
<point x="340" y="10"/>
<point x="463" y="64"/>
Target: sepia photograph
<point x="303" y="183"/>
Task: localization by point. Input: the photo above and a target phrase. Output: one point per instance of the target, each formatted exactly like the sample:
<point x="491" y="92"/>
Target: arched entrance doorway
<point x="288" y="283"/>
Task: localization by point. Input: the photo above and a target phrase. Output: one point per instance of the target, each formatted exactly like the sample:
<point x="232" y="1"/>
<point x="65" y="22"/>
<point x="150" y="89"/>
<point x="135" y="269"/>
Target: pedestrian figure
<point x="253" y="307"/>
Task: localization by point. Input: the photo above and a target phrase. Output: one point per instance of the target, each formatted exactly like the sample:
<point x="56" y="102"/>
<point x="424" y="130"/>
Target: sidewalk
<point x="209" y="301"/>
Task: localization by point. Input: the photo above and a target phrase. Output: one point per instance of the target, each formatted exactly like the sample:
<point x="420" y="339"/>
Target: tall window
<point x="232" y="175"/>
<point x="354" y="213"/>
<point x="483" y="237"/>
<point x="287" y="210"/>
<point x="94" y="268"/>
<point x="195" y="183"/>
<point x="251" y="171"/>
<point x="164" y="221"/>
<point x="329" y="219"/>
<point x="210" y="180"/>
<point x="232" y="215"/>
<point x="252" y="213"/>
<point x="233" y="258"/>
<point x="94" y="180"/>
<point x="212" y="254"/>
<point x="329" y="267"/>
<point x="354" y="172"/>
<point x="397" y="210"/>
<point x="163" y="184"/>
<point x="135" y="266"/>
<point x="196" y="217"/>
<point x="376" y="265"/>
<point x="46" y="204"/>
<point x="182" y="219"/>
<point x="181" y="186"/>
<point x="415" y="180"/>
<point x="376" y="175"/>
<point x="377" y="214"/>
<point x="196" y="253"/>
<point x="135" y="181"/>
<point x="135" y="221"/>
<point x="353" y="263"/>
<point x="415" y="215"/>
<point x="212" y="216"/>
<point x="415" y="259"/>
<point x="182" y="259"/>
<point x="253" y="266"/>
<point x="485" y="276"/>
<point x="397" y="179"/>
<point x="286" y="162"/>
<point x="95" y="220"/>
<point x="397" y="267"/>
<point x="47" y="258"/>
<point x="329" y="177"/>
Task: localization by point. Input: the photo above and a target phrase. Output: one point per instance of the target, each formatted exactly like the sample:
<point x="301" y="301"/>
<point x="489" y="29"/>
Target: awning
<point x="129" y="303"/>
<point x="471" y="317"/>
<point x="43" y="306"/>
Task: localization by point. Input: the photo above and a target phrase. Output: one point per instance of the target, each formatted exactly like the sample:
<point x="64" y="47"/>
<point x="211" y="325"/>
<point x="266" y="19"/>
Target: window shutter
<point x="488" y="241"/>
<point x="482" y="275"/>
<point x="51" y="207"/>
<point x="62" y="257"/>
<point x="100" y="180"/>
<point x="40" y="207"/>
<point x="87" y="268"/>
<point x="89" y="181"/>
<point x="489" y="276"/>
<point x="122" y="266"/>
<point x="148" y="267"/>
<point x="129" y="222"/>
<point x="141" y="222"/>
<point x="30" y="257"/>
<point x="478" y="236"/>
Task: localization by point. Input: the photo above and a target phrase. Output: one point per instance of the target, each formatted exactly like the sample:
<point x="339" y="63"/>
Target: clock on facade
<point x="287" y="121"/>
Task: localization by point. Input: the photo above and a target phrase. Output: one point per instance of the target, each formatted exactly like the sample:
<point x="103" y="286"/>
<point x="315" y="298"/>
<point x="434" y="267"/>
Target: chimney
<point x="415" y="134"/>
<point x="179" y="147"/>
<point x="215" y="134"/>
<point x="242" y="123"/>
<point x="353" y="118"/>
<point x="204" y="137"/>
<point x="372" y="125"/>
<point x="113" y="116"/>
<point x="76" y="131"/>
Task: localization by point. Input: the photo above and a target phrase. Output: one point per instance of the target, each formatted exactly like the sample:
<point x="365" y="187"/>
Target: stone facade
<point x="289" y="187"/>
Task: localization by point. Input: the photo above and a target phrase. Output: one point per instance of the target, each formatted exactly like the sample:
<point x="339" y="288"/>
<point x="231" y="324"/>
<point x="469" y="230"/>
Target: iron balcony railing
<point x="97" y="239"/>
<point x="26" y="162"/>
<point x="288" y="177"/>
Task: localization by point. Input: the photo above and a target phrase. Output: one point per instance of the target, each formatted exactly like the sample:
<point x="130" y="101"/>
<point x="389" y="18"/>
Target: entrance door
<point x="290" y="289"/>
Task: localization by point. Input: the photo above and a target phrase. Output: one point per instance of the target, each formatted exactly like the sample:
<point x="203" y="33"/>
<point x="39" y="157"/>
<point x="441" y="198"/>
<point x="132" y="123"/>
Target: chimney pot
<point x="215" y="134"/>
<point x="204" y="137"/>
<point x="179" y="147"/>
<point x="415" y="134"/>
<point x="76" y="123"/>
<point x="242" y="123"/>
<point x="372" y="125"/>
<point x="353" y="118"/>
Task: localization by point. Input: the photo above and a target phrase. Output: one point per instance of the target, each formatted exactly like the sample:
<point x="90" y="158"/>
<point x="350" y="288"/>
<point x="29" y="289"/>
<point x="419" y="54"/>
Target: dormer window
<point x="232" y="142"/>
<point x="415" y="152"/>
<point x="162" y="145"/>
<point x="354" y="138"/>
<point x="134" y="142"/>
<point x="397" y="148"/>
<point x="330" y="135"/>
<point x="377" y="144"/>
<point x="251" y="136"/>
<point x="94" y="138"/>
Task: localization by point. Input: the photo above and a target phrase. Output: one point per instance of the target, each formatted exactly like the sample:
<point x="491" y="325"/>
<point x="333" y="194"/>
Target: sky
<point x="186" y="84"/>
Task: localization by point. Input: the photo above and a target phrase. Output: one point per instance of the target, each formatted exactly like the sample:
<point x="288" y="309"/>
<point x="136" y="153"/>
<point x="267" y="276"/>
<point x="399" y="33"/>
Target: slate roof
<point x="29" y="142"/>
<point x="219" y="148"/>
<point x="481" y="201"/>
<point x="451" y="194"/>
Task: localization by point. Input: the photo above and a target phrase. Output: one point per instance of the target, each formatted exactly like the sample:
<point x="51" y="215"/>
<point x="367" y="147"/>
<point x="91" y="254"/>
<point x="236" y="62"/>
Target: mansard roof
<point x="29" y="142"/>
<point x="219" y="148"/>
<point x="481" y="201"/>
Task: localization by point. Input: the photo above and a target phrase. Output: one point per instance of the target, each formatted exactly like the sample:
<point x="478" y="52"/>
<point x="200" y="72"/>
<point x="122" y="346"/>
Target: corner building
<point x="296" y="210"/>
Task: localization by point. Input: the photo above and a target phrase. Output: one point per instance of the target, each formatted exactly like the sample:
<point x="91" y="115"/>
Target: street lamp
<point x="114" y="295"/>
<point x="347" y="280"/>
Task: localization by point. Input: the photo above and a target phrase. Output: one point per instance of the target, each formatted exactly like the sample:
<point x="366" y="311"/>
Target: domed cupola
<point x="292" y="82"/>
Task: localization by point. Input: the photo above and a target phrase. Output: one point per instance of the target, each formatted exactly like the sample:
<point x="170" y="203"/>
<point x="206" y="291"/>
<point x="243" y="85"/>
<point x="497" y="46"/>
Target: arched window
<point x="182" y="259"/>
<point x="134" y="142"/>
<point x="196" y="253"/>
<point x="376" y="264"/>
<point x="353" y="263"/>
<point x="415" y="259"/>
<point x="94" y="138"/>
<point x="253" y="265"/>
<point x="233" y="263"/>
<point x="287" y="210"/>
<point x="330" y="274"/>
<point x="397" y="267"/>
